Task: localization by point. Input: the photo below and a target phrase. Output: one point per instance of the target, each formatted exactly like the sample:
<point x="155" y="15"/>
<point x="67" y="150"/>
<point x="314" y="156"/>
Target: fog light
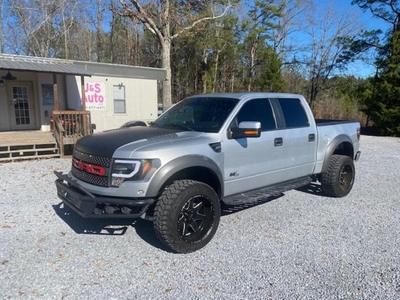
<point x="117" y="181"/>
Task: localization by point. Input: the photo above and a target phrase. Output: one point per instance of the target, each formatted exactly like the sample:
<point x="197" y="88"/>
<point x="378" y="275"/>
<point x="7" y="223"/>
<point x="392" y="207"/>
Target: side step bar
<point x="265" y="192"/>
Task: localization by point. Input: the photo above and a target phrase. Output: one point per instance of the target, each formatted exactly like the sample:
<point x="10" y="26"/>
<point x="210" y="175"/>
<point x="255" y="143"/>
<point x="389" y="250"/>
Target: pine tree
<point x="387" y="115"/>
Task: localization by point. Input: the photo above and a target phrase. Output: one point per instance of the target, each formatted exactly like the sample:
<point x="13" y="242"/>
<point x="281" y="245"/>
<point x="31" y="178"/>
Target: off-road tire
<point x="338" y="180"/>
<point x="187" y="215"/>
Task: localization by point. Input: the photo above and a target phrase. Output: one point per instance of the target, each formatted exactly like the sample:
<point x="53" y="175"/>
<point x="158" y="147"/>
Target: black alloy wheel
<point x="187" y="215"/>
<point x="195" y="218"/>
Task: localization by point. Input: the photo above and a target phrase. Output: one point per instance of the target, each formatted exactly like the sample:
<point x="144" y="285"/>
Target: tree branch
<point x="187" y="28"/>
<point x="141" y="15"/>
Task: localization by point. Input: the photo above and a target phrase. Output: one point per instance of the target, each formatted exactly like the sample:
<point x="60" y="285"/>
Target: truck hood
<point x="105" y="143"/>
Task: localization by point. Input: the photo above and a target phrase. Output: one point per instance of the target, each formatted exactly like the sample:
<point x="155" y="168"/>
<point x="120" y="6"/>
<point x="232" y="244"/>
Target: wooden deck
<point x="18" y="145"/>
<point x="8" y="138"/>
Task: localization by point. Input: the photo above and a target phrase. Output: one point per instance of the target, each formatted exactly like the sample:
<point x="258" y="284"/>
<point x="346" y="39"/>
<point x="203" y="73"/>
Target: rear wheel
<point x="187" y="215"/>
<point x="339" y="178"/>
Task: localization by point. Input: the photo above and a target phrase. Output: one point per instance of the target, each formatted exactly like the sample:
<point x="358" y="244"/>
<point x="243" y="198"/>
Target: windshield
<point x="205" y="114"/>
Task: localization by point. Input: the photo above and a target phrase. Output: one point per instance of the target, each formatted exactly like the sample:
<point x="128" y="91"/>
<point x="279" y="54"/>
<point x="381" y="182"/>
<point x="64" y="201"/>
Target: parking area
<point x="300" y="245"/>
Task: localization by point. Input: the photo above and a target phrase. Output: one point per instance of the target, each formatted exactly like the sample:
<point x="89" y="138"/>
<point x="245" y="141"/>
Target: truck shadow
<point x="91" y="226"/>
<point x="144" y="229"/>
<point x="114" y="227"/>
<point x="313" y="188"/>
<point x="120" y="226"/>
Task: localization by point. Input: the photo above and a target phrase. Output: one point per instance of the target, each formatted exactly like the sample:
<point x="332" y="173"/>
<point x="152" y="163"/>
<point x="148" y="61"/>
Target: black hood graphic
<point x="105" y="143"/>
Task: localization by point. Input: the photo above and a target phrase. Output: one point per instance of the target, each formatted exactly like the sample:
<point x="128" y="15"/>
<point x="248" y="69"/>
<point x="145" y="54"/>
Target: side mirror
<point x="246" y="130"/>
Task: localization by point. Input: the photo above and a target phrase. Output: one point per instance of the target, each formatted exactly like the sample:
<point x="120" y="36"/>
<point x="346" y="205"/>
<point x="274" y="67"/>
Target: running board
<point x="266" y="192"/>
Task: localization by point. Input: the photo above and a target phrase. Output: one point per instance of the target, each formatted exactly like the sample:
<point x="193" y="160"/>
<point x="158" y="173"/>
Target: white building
<point x="32" y="89"/>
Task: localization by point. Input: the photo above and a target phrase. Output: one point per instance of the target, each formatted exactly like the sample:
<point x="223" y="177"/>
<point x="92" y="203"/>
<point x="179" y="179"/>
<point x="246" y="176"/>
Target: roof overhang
<point x="44" y="65"/>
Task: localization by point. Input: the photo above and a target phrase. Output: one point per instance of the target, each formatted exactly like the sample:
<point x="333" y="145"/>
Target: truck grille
<point x="83" y="175"/>
<point x="93" y="159"/>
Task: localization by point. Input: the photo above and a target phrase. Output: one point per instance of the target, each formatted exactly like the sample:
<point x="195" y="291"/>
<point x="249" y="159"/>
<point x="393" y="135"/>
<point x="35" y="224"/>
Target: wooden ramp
<point x="18" y="145"/>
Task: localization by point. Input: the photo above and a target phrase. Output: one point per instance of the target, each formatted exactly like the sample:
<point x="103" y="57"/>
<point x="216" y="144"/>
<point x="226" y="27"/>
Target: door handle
<point x="278" y="142"/>
<point x="311" y="137"/>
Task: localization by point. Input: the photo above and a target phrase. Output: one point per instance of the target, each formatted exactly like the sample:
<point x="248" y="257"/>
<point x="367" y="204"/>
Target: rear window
<point x="294" y="113"/>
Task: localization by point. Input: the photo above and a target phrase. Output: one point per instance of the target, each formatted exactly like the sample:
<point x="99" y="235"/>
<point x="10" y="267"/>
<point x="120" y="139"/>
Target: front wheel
<point x="338" y="180"/>
<point x="187" y="215"/>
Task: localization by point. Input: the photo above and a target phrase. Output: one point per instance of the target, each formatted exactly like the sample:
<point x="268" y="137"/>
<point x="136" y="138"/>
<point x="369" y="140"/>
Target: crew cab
<point x="233" y="148"/>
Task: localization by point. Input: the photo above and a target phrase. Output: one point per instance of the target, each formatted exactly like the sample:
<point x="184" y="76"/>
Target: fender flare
<point x="342" y="138"/>
<point x="178" y="164"/>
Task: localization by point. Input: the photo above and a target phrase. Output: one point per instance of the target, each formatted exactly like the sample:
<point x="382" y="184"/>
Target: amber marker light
<point x="251" y="132"/>
<point x="146" y="167"/>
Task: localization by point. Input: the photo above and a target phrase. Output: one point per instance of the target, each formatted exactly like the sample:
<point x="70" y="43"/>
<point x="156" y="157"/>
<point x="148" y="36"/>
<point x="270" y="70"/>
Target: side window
<point x="294" y="113"/>
<point x="119" y="99"/>
<point x="258" y="110"/>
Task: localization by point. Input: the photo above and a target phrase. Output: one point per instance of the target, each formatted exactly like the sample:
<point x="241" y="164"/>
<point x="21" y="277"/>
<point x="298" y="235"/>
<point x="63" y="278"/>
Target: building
<point x="39" y="93"/>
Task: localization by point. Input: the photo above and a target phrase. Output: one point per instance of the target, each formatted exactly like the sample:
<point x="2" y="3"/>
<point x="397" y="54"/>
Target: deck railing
<point x="69" y="126"/>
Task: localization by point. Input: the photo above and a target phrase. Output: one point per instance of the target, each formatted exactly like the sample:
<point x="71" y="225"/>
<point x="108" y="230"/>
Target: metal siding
<point x="46" y="65"/>
<point x="71" y="67"/>
<point x="114" y="70"/>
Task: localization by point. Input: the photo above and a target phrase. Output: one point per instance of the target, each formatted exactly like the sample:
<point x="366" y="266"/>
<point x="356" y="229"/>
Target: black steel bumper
<point x="88" y="205"/>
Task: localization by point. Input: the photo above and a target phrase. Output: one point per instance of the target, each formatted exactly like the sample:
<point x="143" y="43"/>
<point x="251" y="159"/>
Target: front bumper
<point x="89" y="205"/>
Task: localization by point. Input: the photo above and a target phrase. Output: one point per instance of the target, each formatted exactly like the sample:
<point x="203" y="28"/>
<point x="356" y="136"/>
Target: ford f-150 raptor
<point x="233" y="148"/>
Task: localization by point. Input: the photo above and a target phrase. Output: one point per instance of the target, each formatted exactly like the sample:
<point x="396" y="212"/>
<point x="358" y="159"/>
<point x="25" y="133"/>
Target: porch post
<point x="55" y="92"/>
<point x="83" y="93"/>
<point x="85" y="120"/>
<point x="57" y="134"/>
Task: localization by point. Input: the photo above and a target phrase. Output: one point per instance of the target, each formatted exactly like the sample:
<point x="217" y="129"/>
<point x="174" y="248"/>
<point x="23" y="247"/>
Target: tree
<point x="270" y="73"/>
<point x="290" y="21"/>
<point x="387" y="84"/>
<point x="386" y="10"/>
<point x="263" y="18"/>
<point x="167" y="20"/>
<point x="42" y="24"/>
<point x="322" y="57"/>
<point x="382" y="95"/>
<point x="217" y="43"/>
<point x="3" y="9"/>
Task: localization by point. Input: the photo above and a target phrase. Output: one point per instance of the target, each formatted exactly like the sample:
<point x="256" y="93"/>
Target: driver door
<point x="252" y="163"/>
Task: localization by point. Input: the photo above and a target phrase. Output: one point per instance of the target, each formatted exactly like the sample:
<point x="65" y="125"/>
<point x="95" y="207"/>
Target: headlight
<point x="129" y="170"/>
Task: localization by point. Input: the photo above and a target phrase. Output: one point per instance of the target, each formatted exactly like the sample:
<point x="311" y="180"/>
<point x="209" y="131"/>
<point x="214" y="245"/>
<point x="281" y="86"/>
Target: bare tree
<point x="2" y="12"/>
<point x="321" y="58"/>
<point x="167" y="20"/>
<point x="290" y="22"/>
<point x="41" y="25"/>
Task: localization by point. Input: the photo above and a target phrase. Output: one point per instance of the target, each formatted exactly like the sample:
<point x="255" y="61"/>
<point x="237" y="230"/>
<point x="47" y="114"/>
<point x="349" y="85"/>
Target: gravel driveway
<point x="300" y="245"/>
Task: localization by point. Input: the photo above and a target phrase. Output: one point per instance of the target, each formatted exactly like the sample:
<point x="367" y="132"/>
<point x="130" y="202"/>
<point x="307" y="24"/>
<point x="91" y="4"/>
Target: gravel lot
<point x="297" y="246"/>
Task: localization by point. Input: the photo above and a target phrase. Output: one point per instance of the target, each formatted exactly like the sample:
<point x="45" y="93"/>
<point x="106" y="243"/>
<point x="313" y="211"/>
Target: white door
<point x="21" y="107"/>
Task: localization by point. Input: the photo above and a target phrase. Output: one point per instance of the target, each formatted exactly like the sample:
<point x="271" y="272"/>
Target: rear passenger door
<point x="299" y="138"/>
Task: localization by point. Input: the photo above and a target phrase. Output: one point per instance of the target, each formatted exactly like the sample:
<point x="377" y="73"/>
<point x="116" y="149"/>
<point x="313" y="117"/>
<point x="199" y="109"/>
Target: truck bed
<point x="326" y="122"/>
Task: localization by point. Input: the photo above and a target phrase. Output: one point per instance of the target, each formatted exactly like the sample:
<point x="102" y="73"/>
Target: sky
<point x="317" y="12"/>
<point x="369" y="22"/>
<point x="325" y="28"/>
<point x="367" y="19"/>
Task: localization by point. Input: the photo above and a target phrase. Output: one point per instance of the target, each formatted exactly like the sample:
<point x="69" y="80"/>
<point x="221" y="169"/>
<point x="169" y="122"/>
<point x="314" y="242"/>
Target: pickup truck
<point x="232" y="148"/>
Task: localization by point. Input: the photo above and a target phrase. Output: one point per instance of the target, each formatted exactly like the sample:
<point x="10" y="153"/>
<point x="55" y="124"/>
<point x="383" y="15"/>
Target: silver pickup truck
<point x="236" y="148"/>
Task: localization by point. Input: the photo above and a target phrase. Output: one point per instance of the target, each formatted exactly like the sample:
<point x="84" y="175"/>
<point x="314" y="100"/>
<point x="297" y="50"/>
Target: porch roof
<point x="38" y="64"/>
